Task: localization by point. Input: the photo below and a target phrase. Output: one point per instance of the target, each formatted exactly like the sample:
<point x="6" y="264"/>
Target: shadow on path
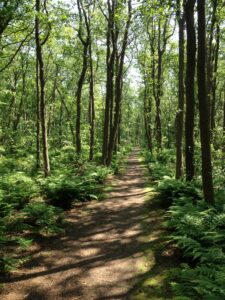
<point x="100" y="255"/>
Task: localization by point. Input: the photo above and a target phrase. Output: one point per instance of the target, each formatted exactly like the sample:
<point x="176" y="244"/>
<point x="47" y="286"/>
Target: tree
<point x="180" y="112"/>
<point x="114" y="79"/>
<point x="7" y="13"/>
<point x="110" y="61"/>
<point x="40" y="68"/>
<point x="159" y="33"/>
<point x="204" y="107"/>
<point x="85" y="44"/>
<point x="120" y="56"/>
<point x="190" y="89"/>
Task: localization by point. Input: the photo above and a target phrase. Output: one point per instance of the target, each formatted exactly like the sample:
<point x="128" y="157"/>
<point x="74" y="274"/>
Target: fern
<point x="199" y="231"/>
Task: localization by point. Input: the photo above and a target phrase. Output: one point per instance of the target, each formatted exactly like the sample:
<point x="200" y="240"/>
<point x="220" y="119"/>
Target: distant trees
<point x="65" y="76"/>
<point x="117" y="40"/>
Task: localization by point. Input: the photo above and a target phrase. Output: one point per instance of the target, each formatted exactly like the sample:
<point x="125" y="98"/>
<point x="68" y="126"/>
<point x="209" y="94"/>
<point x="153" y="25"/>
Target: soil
<point x="113" y="249"/>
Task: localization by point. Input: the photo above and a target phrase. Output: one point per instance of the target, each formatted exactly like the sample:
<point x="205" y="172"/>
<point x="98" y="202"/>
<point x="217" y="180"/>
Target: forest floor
<point x="113" y="249"/>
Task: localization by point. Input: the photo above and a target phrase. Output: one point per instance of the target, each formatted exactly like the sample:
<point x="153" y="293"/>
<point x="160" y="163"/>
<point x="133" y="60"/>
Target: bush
<point x="5" y="207"/>
<point x="62" y="190"/>
<point x="35" y="217"/>
<point x="99" y="173"/>
<point x="43" y="218"/>
<point x="199" y="231"/>
<point x="171" y="189"/>
<point x="18" y="189"/>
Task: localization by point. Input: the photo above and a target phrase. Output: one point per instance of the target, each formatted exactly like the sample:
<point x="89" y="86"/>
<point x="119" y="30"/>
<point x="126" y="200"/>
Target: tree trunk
<point x="42" y="91"/>
<point x="19" y="112"/>
<point x="91" y="105"/>
<point x="214" y="78"/>
<point x="52" y="99"/>
<point x="147" y="118"/>
<point x="78" y="97"/>
<point x="158" y="95"/>
<point x="180" y="112"/>
<point x="68" y="112"/>
<point x="110" y="59"/>
<point x="204" y="108"/>
<point x="210" y="60"/>
<point x="85" y="42"/>
<point x="38" y="148"/>
<point x="223" y="146"/>
<point x="119" y="88"/>
<point x="190" y="90"/>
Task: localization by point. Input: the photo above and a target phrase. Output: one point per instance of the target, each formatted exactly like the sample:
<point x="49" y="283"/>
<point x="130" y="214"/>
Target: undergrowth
<point x="197" y="230"/>
<point x="32" y="205"/>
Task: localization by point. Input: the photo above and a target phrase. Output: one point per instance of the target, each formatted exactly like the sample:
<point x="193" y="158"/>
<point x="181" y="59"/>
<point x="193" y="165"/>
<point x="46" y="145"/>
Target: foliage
<point x="18" y="189"/>
<point x="71" y="184"/>
<point x="43" y="218"/>
<point x="170" y="189"/>
<point x="35" y="217"/>
<point x="25" y="200"/>
<point x="161" y="164"/>
<point x="62" y="190"/>
<point x="199" y="231"/>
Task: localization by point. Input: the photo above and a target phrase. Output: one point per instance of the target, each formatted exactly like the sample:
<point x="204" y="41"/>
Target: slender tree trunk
<point x="158" y="98"/>
<point x="61" y="124"/>
<point x="119" y="135"/>
<point x="214" y="79"/>
<point x="92" y="105"/>
<point x="12" y="103"/>
<point x="210" y="59"/>
<point x="147" y="118"/>
<point x="180" y="112"/>
<point x="51" y="118"/>
<point x="204" y="107"/>
<point x="110" y="59"/>
<point x="19" y="112"/>
<point x="190" y="90"/>
<point x="42" y="91"/>
<point x="38" y="148"/>
<point x="68" y="112"/>
<point x="83" y="22"/>
<point x="78" y="97"/>
<point x="223" y="146"/>
<point x="119" y="88"/>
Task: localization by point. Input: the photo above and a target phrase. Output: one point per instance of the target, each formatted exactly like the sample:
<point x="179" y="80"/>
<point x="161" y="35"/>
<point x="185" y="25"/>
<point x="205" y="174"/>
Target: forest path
<point x="102" y="255"/>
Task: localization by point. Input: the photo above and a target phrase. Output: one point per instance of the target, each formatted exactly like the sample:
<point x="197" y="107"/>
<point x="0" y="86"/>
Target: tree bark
<point x="38" y="133"/>
<point x="91" y="105"/>
<point x="78" y="97"/>
<point x="210" y="62"/>
<point x="190" y="89"/>
<point x="85" y="42"/>
<point x="214" y="79"/>
<point x="42" y="91"/>
<point x="180" y="112"/>
<point x="204" y="108"/>
<point x="147" y="118"/>
<point x="119" y="88"/>
<point x="110" y="60"/>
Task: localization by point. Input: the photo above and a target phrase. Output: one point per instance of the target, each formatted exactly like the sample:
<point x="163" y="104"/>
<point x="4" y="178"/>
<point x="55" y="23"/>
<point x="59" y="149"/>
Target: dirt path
<point x="100" y="256"/>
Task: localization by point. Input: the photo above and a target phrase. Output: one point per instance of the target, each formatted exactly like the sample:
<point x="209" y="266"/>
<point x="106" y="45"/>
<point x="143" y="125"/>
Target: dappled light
<point x="103" y="249"/>
<point x="112" y="149"/>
